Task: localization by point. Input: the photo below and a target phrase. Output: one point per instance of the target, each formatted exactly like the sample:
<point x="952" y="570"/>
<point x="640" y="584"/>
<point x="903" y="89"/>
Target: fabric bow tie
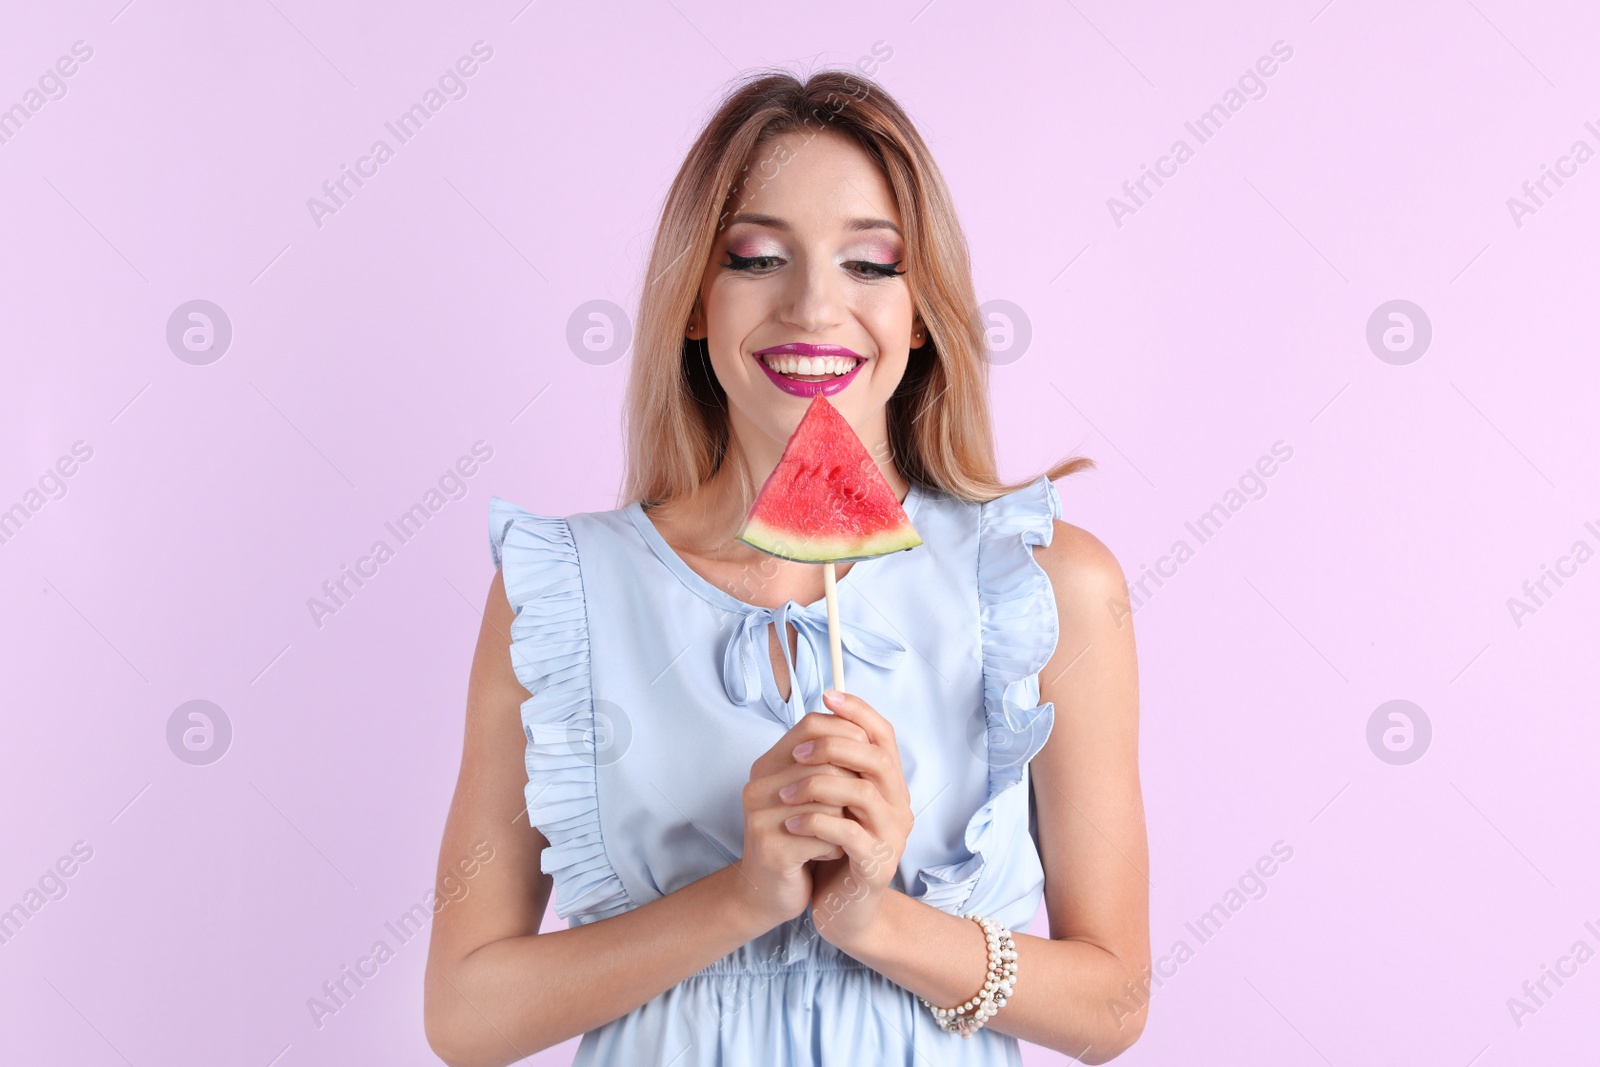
<point x="748" y="646"/>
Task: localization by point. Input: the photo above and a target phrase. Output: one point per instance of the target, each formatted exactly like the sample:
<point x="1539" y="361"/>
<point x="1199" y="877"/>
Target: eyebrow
<point x="773" y="222"/>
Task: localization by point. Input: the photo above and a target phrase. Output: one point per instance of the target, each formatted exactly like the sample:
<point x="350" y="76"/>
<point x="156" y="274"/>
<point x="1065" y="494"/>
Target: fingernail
<point x="793" y="824"/>
<point x="802" y="751"/>
<point x="788" y="791"/>
<point x="831" y="696"/>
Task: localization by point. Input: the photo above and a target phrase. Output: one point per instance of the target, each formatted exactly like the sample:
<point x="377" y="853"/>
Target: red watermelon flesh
<point x="826" y="499"/>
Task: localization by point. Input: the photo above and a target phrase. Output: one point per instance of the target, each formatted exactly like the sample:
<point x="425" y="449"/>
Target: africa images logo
<point x="452" y="85"/>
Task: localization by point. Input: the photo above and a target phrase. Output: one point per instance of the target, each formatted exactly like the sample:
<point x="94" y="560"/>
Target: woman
<point x="733" y="897"/>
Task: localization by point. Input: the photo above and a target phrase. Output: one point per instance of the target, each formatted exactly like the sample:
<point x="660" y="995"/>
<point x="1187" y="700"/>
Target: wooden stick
<point x="830" y="586"/>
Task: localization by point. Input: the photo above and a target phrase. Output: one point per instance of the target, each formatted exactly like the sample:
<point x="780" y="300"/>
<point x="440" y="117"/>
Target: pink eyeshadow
<point x="749" y="249"/>
<point x="879" y="253"/>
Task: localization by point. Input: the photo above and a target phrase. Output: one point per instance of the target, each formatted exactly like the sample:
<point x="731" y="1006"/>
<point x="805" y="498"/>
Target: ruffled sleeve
<point x="538" y="560"/>
<point x="1019" y="627"/>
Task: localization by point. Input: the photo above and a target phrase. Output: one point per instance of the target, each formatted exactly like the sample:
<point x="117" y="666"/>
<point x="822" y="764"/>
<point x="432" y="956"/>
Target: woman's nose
<point x="813" y="302"/>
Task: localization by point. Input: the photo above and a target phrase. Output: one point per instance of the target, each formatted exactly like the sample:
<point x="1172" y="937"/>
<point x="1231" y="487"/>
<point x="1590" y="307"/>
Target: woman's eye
<point x="867" y="268"/>
<point x="750" y="264"/>
<point x="863" y="268"/>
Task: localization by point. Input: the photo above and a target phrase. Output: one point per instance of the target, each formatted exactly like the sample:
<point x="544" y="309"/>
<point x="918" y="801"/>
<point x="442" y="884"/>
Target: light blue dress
<point x="653" y="693"/>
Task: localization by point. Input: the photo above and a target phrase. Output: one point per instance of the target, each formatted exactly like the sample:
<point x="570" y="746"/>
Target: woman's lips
<point x="798" y="387"/>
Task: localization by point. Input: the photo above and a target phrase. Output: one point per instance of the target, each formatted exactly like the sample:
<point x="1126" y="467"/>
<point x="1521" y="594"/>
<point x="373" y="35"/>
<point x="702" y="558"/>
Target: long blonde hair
<point x="676" y="422"/>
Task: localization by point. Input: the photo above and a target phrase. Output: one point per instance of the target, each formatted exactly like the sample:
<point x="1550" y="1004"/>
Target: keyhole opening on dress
<point x="780" y="669"/>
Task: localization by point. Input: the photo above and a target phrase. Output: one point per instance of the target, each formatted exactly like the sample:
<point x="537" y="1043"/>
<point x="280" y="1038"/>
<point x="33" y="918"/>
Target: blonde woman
<point x="754" y="871"/>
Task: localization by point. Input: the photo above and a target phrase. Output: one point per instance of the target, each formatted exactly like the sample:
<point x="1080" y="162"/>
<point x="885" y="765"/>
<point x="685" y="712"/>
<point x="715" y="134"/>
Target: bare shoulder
<point x="497" y="611"/>
<point x="1092" y="677"/>
<point x="1083" y="572"/>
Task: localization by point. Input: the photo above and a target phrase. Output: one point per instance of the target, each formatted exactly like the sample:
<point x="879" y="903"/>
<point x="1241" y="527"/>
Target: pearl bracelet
<point x="999" y="981"/>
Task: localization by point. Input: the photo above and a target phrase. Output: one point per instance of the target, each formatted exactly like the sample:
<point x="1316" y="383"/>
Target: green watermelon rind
<point x="785" y="544"/>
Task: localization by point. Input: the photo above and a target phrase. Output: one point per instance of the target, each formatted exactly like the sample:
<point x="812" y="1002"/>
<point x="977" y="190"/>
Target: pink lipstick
<point x="799" y="387"/>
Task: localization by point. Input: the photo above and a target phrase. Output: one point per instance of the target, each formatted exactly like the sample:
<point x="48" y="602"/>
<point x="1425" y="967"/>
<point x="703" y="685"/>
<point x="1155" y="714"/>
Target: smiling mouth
<point x="810" y="368"/>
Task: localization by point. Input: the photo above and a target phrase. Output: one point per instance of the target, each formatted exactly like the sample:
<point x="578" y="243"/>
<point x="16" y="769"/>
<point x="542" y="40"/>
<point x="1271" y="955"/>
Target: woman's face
<point x="809" y="254"/>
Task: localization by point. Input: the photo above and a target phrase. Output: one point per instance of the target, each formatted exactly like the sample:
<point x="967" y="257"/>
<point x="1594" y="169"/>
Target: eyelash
<point x="881" y="270"/>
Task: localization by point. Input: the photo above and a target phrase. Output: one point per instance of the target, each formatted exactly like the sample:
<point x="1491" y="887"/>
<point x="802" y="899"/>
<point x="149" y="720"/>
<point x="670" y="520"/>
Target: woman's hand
<point x="847" y="892"/>
<point x="775" y="869"/>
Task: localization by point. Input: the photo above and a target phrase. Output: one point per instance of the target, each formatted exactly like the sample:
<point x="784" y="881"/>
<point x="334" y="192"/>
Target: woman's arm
<point x="1083" y="990"/>
<point x="496" y="989"/>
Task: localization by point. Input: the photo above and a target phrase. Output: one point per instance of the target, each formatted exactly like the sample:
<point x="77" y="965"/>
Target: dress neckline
<point x="697" y="582"/>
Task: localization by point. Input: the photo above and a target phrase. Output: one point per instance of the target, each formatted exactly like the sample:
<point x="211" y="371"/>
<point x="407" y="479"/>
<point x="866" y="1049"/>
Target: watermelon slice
<point x="826" y="500"/>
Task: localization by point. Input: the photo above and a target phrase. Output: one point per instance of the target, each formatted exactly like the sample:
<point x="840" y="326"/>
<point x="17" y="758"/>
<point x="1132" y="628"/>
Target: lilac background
<point x="1227" y="313"/>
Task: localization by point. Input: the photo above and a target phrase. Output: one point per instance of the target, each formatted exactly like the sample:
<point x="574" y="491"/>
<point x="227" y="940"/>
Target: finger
<point x="822" y="724"/>
<point x="858" y="844"/>
<point x="852" y="708"/>
<point x="805" y="848"/>
<point x="812" y="725"/>
<point x="869" y="854"/>
<point x="880" y="732"/>
<point x="857" y="796"/>
<point x="793" y="851"/>
<point x="767" y="791"/>
<point x="828" y="789"/>
<point x="866" y="759"/>
<point x="783" y="810"/>
<point x="801" y="848"/>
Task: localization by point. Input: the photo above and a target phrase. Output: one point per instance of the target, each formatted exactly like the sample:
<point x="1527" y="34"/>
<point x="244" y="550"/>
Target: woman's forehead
<point x="806" y="192"/>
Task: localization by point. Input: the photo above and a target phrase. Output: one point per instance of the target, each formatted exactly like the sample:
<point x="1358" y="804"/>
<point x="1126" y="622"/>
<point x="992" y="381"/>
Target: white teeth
<point x="834" y="365"/>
